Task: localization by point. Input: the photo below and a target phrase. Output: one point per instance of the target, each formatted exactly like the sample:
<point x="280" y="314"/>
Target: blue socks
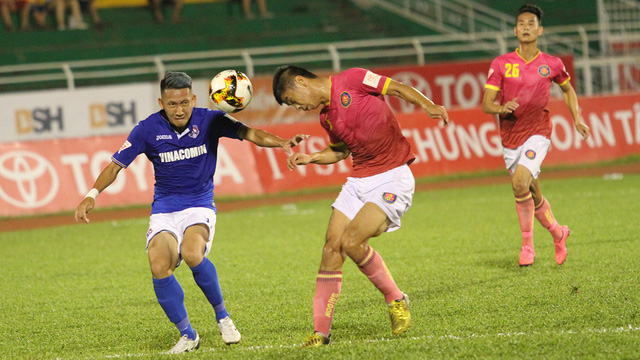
<point x="206" y="277"/>
<point x="171" y="298"/>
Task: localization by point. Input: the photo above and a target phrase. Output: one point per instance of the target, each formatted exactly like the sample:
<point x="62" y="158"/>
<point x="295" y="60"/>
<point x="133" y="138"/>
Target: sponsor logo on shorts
<point x="530" y="154"/>
<point x="544" y="71"/>
<point x="149" y="232"/>
<point x="389" y="198"/>
<point x="345" y="99"/>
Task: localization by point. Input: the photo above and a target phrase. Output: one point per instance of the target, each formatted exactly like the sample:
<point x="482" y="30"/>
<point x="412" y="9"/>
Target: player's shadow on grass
<point x="504" y="262"/>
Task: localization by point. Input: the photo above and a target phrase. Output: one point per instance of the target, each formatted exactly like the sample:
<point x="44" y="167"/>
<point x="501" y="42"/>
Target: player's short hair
<point x="530" y="8"/>
<point x="175" y="80"/>
<point x="283" y="79"/>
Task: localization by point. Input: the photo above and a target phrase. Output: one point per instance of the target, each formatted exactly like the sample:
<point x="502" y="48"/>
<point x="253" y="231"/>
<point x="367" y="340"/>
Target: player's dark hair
<point x="283" y="79"/>
<point x="175" y="80"/>
<point x="530" y="8"/>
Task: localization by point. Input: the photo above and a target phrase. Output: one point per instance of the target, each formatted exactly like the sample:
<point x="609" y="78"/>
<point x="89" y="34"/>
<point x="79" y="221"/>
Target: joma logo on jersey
<point x="163" y="137"/>
<point x="182" y="154"/>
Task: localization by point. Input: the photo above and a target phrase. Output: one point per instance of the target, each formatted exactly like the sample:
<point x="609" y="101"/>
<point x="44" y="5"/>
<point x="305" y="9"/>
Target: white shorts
<point x="177" y="223"/>
<point x="392" y="191"/>
<point x="530" y="155"/>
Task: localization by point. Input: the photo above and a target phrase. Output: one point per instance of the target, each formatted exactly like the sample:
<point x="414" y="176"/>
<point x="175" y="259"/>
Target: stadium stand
<point x="132" y="31"/>
<point x="557" y="12"/>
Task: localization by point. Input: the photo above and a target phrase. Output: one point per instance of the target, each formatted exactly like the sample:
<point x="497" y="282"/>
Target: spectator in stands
<point x="9" y="6"/>
<point x="75" y="21"/>
<point x="39" y="11"/>
<point x="157" y="10"/>
<point x="89" y="6"/>
<point x="38" y="8"/>
<point x="262" y="8"/>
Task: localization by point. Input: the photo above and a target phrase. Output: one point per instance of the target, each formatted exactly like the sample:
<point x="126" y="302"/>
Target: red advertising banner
<point x="53" y="175"/>
<point x="453" y="84"/>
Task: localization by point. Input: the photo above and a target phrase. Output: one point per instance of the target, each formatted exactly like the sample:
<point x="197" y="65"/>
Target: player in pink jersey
<point x="517" y="89"/>
<point x="378" y="192"/>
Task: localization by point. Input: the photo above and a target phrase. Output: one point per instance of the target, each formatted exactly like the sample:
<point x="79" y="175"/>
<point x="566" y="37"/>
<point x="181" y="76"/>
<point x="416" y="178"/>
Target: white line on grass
<point x="623" y="329"/>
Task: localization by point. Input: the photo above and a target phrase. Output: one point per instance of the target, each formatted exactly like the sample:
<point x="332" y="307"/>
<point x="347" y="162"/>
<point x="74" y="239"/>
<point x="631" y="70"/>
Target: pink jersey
<point x="528" y="83"/>
<point x="359" y="116"/>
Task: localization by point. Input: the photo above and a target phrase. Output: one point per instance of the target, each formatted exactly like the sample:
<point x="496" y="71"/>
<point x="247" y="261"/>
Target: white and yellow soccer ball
<point x="230" y="91"/>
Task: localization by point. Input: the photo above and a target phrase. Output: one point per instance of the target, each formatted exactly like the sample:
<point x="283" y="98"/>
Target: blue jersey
<point x="184" y="163"/>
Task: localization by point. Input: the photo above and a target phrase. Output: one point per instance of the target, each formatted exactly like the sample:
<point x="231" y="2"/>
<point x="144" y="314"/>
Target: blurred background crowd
<point x="25" y="15"/>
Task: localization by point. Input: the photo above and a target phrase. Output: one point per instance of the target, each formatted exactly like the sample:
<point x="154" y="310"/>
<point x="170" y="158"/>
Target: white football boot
<point x="185" y="345"/>
<point x="230" y="335"/>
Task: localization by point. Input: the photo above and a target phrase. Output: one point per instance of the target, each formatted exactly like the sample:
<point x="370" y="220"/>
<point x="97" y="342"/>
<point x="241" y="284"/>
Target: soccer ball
<point x="230" y="91"/>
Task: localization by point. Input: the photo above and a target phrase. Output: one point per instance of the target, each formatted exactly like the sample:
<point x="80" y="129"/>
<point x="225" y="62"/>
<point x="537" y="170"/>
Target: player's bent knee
<point x="331" y="248"/>
<point x="354" y="249"/>
<point x="160" y="269"/>
<point x="520" y="187"/>
<point x="193" y="257"/>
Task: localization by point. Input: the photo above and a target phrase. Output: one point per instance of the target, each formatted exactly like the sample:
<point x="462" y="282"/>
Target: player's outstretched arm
<point x="410" y="94"/>
<point x="571" y="100"/>
<point x="266" y="139"/>
<point x="106" y="177"/>
<point x="329" y="155"/>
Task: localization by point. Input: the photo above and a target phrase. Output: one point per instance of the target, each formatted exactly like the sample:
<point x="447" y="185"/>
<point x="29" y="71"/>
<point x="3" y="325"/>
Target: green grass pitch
<point x="85" y="291"/>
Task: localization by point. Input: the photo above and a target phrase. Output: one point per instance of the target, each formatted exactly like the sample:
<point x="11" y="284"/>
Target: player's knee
<point x="191" y="256"/>
<point x="331" y="246"/>
<point x="520" y="186"/>
<point x="160" y="269"/>
<point x="353" y="245"/>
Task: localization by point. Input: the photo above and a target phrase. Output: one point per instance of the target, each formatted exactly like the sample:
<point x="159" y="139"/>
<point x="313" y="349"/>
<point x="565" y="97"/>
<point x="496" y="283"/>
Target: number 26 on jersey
<point x="511" y="70"/>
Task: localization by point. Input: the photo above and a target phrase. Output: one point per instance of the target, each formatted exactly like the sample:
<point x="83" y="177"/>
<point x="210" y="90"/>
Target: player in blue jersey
<point x="182" y="142"/>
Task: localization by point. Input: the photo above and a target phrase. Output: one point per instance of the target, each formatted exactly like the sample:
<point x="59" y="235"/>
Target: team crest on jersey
<point x="124" y="146"/>
<point x="544" y="71"/>
<point x="389" y="198"/>
<point x="530" y="154"/>
<point x="194" y="132"/>
<point x="345" y="99"/>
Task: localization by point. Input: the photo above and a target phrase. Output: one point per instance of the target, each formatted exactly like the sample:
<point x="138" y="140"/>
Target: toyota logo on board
<point x="27" y="180"/>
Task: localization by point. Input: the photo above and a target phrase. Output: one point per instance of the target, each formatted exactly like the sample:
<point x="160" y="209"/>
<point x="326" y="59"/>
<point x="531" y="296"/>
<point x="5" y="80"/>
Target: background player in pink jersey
<point x="517" y="89"/>
<point x="378" y="192"/>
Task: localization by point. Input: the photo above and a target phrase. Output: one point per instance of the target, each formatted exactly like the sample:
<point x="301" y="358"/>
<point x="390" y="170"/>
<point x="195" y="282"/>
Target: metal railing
<point x="463" y="16"/>
<point x="595" y="73"/>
